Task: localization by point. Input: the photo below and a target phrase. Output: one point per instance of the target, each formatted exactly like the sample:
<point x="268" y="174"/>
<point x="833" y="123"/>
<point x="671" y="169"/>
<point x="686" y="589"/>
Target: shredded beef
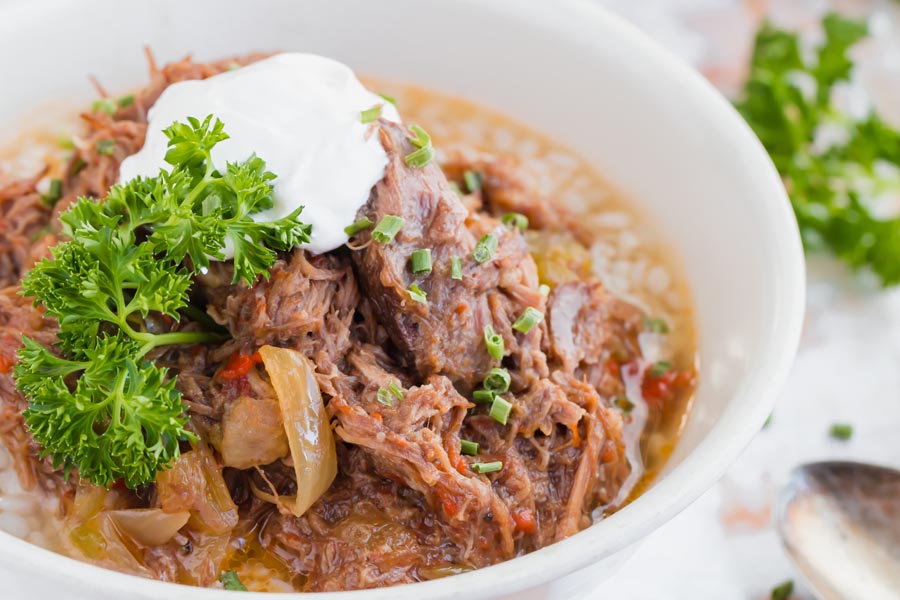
<point x="406" y="504"/>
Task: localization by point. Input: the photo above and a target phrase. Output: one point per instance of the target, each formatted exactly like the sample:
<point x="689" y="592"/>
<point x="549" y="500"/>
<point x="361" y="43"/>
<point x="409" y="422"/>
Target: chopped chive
<point x="389" y="99"/>
<point x="497" y="380"/>
<point x="421" y="261"/>
<point x="54" y="192"/>
<point x="500" y="410"/>
<point x="424" y="152"/>
<point x="472" y="180"/>
<point x="417" y="295"/>
<point x="359" y="225"/>
<point x="456" y="268"/>
<point x="624" y="404"/>
<point x="483" y="396"/>
<point x="370" y="115"/>
<point x="485" y="248"/>
<point x="105" y="147"/>
<point x="544" y="290"/>
<point x="783" y="591"/>
<point x="65" y="143"/>
<point x="515" y="220"/>
<point x="395" y="389"/>
<point x="768" y="422"/>
<point x="494" y="342"/>
<point x="387" y="228"/>
<point x="455" y="188"/>
<point x="841" y="431"/>
<point x="125" y="101"/>
<point x="655" y="325"/>
<point x="77" y="165"/>
<point x="231" y="582"/>
<point x="467" y="447"/>
<point x="383" y="397"/>
<point x="528" y="320"/>
<point x="107" y="105"/>
<point x="488" y="467"/>
<point x="660" y="368"/>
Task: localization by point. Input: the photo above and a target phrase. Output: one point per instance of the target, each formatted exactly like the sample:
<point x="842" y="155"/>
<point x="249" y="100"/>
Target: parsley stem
<point x="155" y="340"/>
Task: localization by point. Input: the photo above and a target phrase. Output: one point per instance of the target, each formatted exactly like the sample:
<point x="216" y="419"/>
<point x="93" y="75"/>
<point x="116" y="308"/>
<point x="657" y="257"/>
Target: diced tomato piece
<point x="658" y="390"/>
<point x="613" y="367"/>
<point x="239" y="364"/>
<point x="449" y="505"/>
<point x="609" y="453"/>
<point x="6" y="363"/>
<point x="525" y="522"/>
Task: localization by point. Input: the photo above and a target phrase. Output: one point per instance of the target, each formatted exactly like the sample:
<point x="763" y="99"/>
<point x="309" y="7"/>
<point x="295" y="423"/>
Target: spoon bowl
<point x="840" y="523"/>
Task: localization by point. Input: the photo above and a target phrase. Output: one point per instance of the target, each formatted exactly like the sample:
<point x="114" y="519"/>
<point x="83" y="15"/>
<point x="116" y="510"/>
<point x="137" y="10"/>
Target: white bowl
<point x="652" y="126"/>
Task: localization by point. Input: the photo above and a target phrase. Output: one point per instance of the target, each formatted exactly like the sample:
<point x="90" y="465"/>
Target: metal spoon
<point x="840" y="523"/>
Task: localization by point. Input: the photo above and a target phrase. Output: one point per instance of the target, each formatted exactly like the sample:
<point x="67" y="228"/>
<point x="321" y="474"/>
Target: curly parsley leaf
<point x="96" y="403"/>
<point x="788" y="100"/>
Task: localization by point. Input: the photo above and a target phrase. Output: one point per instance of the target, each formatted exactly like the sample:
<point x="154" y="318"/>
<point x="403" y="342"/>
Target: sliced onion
<point x="99" y="541"/>
<point x="149" y="526"/>
<point x="195" y="484"/>
<point x="306" y="424"/>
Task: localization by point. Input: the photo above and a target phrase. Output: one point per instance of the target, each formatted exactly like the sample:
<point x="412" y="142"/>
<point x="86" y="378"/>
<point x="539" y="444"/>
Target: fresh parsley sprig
<point x="788" y="100"/>
<point x="95" y="400"/>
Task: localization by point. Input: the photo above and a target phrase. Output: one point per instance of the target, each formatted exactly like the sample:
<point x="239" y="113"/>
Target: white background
<point x="723" y="546"/>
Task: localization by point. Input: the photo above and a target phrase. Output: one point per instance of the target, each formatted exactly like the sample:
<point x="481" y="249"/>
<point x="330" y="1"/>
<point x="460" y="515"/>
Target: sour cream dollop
<point x="301" y="114"/>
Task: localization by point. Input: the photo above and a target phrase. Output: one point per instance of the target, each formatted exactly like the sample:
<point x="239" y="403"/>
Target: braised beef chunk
<point x="398" y="376"/>
<point x="445" y="335"/>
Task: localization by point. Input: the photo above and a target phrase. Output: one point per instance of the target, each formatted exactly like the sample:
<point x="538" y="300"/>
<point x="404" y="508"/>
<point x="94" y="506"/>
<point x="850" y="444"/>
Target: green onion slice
<point x="497" y="380"/>
<point x="485" y="248"/>
<point x="544" y="290"/>
<point x="624" y="404"/>
<point x="387" y="228"/>
<point x="359" y="225"/>
<point x="54" y="192"/>
<point x="472" y="179"/>
<point x="500" y="410"/>
<point x="783" y="591"/>
<point x="424" y="152"/>
<point x="528" y="320"/>
<point x="389" y="99"/>
<point x="421" y="261"/>
<point x="841" y="431"/>
<point x="384" y="397"/>
<point x="494" y="342"/>
<point x="467" y="447"/>
<point x="483" y="396"/>
<point x="370" y="115"/>
<point x="456" y="268"/>
<point x="107" y="105"/>
<point x="395" y="389"/>
<point x="488" y="467"/>
<point x="660" y="368"/>
<point x="417" y="295"/>
<point x="105" y="147"/>
<point x="515" y="220"/>
<point x="655" y="325"/>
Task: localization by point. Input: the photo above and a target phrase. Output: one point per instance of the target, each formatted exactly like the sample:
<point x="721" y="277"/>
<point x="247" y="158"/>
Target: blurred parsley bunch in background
<point x="835" y="166"/>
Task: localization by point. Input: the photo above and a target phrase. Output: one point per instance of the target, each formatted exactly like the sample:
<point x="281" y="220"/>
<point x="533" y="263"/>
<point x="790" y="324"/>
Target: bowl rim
<point x="703" y="466"/>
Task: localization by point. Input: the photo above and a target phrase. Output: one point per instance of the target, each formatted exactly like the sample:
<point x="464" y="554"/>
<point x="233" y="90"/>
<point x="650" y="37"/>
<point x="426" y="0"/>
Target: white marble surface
<point x="724" y="546"/>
